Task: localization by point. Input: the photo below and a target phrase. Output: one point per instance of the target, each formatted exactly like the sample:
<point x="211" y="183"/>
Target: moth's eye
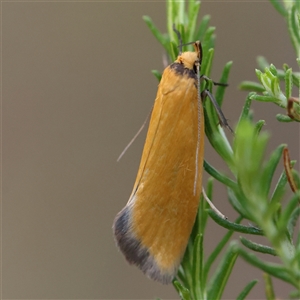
<point x="196" y="65"/>
<point x="195" y="68"/>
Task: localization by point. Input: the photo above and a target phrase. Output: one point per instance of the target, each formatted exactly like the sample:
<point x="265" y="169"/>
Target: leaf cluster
<point x="268" y="89"/>
<point x="252" y="173"/>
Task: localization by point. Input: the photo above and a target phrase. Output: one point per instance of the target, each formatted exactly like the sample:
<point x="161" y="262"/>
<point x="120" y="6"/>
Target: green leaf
<point x="288" y="83"/>
<point x="187" y="265"/>
<point x="179" y="15"/>
<point x="251" y="86"/>
<point x="171" y="15"/>
<point x="273" y="70"/>
<point x="236" y="199"/>
<point x="157" y="74"/>
<point x="222" y="146"/>
<point x="193" y="15"/>
<point x="233" y="226"/>
<point x="181" y="29"/>
<point x="259" y="125"/>
<point x="173" y="51"/>
<point x="197" y="266"/>
<point x="208" y="41"/>
<point x="283" y="118"/>
<point x="215" y="253"/>
<point x="249" y="151"/>
<point x="296" y="79"/>
<point x="183" y="292"/>
<point x="213" y="130"/>
<point x="219" y="279"/>
<point x="205" y="205"/>
<point x="163" y="40"/>
<point x="185" y="272"/>
<point x="297" y="246"/>
<point x="269" y="287"/>
<point x="262" y="62"/>
<point x="202" y="27"/>
<point x="269" y="170"/>
<point x="279" y="7"/>
<point x="293" y="27"/>
<point x="257" y="247"/>
<point x="295" y="295"/>
<point x="246" y="108"/>
<point x="263" y="98"/>
<point x="181" y="275"/>
<point x="288" y="211"/>
<point x="219" y="176"/>
<point x="273" y="269"/>
<point x="207" y="62"/>
<point x="296" y="178"/>
<point x="246" y="290"/>
<point x="220" y="91"/>
<point x="280" y="187"/>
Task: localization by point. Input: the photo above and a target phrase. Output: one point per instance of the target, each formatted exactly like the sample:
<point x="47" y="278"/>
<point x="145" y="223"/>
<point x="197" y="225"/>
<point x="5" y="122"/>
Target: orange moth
<point x="153" y="229"/>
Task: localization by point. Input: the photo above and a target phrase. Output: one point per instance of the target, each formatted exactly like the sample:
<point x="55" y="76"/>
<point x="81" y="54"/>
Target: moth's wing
<point x="153" y="229"/>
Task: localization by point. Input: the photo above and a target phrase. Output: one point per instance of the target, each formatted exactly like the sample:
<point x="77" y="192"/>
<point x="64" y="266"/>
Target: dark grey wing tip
<point x="129" y="245"/>
<point x="134" y="251"/>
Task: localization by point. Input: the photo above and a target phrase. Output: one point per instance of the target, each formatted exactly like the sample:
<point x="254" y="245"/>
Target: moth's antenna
<point x="198" y="50"/>
<point x="212" y="206"/>
<point x="136" y="135"/>
<point x="179" y="38"/>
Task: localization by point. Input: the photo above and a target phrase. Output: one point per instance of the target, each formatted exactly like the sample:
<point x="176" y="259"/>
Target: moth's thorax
<point x="188" y="59"/>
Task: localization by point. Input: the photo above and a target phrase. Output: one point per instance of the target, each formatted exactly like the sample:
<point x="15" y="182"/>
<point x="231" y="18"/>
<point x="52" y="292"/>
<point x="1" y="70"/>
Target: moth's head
<point x="191" y="59"/>
<point x="188" y="59"/>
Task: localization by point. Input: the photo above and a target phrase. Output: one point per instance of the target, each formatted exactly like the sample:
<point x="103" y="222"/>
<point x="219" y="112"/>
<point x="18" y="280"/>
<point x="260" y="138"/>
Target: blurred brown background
<point x="76" y="87"/>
